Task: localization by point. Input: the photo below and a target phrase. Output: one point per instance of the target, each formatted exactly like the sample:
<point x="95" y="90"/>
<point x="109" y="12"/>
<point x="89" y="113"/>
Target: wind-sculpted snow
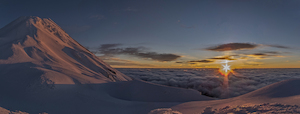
<point x="265" y="108"/>
<point x="210" y="82"/>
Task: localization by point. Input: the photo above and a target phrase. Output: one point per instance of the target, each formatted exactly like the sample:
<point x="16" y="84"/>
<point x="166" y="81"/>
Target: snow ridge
<point x="43" y="52"/>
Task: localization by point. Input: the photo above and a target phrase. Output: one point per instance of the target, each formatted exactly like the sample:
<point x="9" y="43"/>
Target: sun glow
<point x="224" y="73"/>
<point x="226" y="70"/>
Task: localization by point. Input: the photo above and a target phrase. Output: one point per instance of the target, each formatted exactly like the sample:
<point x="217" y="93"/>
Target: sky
<point x="175" y="33"/>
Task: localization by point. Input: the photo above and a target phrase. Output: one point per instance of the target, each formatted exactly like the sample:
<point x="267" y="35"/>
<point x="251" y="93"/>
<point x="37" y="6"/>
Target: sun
<point x="226" y="68"/>
<point x="225" y="71"/>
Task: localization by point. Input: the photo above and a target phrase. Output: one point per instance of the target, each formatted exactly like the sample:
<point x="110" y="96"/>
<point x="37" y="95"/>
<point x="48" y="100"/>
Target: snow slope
<point x="284" y="92"/>
<point x="130" y="97"/>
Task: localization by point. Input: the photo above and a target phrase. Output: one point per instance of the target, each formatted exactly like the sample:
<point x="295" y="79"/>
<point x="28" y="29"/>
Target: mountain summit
<point x="36" y="51"/>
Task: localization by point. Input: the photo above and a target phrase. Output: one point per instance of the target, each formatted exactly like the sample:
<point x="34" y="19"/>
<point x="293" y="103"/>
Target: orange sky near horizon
<point x="237" y="63"/>
<point x="233" y="65"/>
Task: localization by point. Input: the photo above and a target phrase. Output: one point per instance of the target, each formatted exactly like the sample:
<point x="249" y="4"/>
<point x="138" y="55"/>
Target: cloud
<point x="232" y="46"/>
<point x="109" y="49"/>
<point x="114" y="49"/>
<point x="202" y="61"/>
<point x="228" y="57"/>
<point x="264" y="55"/>
<point x="209" y="82"/>
<point x="195" y="61"/>
<point x="253" y="63"/>
<point x="241" y="46"/>
<point x="157" y="56"/>
<point x="278" y="46"/>
<point x="271" y="52"/>
<point x="260" y="54"/>
<point x="121" y="62"/>
<point x="105" y="58"/>
<point x="98" y="17"/>
<point x="210" y="60"/>
<point x="234" y="56"/>
<point x="257" y="55"/>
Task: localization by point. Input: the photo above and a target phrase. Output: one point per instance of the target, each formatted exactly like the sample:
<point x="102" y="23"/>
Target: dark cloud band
<point x="279" y="46"/>
<point x="114" y="49"/>
<point x="201" y="61"/>
<point x="232" y="46"/>
<point x="241" y="46"/>
<point x="224" y="58"/>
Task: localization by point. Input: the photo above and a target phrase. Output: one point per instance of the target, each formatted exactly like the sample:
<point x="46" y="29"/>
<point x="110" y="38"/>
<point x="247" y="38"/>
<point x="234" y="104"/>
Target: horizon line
<point x="198" y="68"/>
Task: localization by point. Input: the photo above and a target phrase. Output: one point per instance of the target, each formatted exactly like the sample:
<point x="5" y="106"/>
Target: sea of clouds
<point x="209" y="81"/>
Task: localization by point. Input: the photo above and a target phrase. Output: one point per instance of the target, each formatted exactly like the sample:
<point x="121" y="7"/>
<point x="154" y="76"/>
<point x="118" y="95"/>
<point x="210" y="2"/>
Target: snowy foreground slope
<point x="43" y="70"/>
<point x="280" y="97"/>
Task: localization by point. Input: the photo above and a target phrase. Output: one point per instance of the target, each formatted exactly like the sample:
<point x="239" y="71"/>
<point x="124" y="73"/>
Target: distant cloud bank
<point x="209" y="82"/>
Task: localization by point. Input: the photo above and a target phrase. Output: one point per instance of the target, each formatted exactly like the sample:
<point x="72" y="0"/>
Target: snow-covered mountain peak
<point x="41" y="51"/>
<point x="29" y="26"/>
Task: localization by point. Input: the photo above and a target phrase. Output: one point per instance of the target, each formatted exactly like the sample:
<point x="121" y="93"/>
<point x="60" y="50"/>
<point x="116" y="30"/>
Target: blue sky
<point x="180" y="28"/>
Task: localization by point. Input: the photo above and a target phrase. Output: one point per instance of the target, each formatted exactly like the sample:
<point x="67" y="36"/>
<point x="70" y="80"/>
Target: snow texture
<point x="286" y="93"/>
<point x="44" y="55"/>
<point x="265" y="108"/>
